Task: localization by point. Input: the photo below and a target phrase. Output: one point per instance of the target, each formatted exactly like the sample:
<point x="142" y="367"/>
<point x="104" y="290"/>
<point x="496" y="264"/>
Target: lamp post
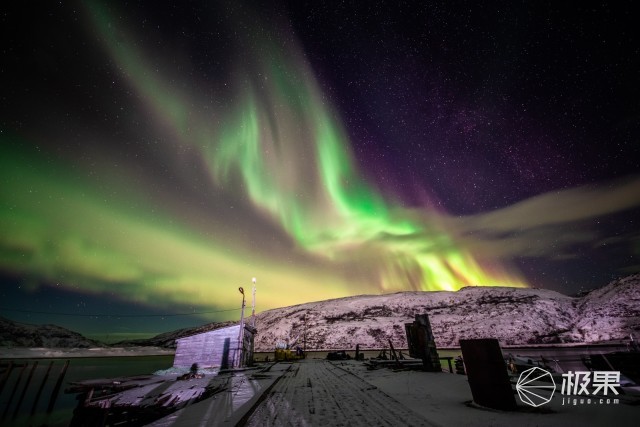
<point x="253" y="305"/>
<point x="241" y="334"/>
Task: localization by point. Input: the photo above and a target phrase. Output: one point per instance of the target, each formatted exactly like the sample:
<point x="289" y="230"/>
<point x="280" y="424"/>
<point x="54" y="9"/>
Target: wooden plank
<point x="13" y="392"/>
<point x="56" y="388"/>
<point x="6" y="374"/>
<point x="208" y="349"/>
<point x="24" y="389"/>
<point x="44" y="381"/>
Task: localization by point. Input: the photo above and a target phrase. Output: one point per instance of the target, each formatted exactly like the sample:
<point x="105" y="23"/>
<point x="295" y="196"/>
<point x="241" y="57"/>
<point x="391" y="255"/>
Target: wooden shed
<point x="218" y="348"/>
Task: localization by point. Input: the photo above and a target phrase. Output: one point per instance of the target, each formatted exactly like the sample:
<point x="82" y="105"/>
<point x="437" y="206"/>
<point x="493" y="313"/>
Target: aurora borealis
<point x="156" y="158"/>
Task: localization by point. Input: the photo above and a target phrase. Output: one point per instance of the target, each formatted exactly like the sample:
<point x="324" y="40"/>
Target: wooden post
<point x="44" y="381"/>
<point x="449" y="361"/>
<point x="304" y="336"/>
<point x="13" y="392"/>
<point x="56" y="389"/>
<point x="87" y="397"/>
<point x="24" y="389"/>
<point x="393" y="352"/>
<point x="5" y="377"/>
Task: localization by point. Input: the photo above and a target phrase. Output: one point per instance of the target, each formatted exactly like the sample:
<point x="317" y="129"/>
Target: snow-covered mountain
<point x="14" y="334"/>
<point x="514" y="316"/>
<point x="611" y="312"/>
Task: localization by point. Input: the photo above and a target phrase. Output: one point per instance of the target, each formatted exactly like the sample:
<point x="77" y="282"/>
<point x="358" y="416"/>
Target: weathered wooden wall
<point x="213" y="348"/>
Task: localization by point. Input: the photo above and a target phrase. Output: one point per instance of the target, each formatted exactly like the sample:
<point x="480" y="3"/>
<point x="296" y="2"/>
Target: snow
<point x="612" y="311"/>
<point x="513" y="316"/>
<point x="445" y="399"/>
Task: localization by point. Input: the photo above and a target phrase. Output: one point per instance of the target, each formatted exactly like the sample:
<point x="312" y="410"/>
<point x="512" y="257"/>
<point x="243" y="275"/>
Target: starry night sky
<point x="158" y="155"/>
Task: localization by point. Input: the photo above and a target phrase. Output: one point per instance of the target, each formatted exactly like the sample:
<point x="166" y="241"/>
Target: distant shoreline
<point x="138" y="351"/>
<point x="59" y="353"/>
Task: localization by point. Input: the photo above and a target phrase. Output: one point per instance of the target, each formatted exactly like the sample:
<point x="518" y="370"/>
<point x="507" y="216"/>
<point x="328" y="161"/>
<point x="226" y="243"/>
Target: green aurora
<point x="278" y="149"/>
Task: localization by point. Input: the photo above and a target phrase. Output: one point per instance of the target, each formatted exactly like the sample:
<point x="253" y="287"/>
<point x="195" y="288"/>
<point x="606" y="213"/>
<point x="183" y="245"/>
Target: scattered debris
<point x="338" y="355"/>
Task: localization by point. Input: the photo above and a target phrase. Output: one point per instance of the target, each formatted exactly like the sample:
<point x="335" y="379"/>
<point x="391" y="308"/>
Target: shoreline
<point x="137" y="351"/>
<point x="94" y="352"/>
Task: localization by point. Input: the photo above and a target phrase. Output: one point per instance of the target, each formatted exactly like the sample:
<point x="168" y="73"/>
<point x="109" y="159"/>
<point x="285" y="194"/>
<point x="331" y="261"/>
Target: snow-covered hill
<point x="22" y="335"/>
<point x="514" y="316"/>
<point x="611" y="312"/>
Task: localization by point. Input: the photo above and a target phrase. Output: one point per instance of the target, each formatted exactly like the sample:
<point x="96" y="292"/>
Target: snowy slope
<point x="14" y="334"/>
<point x="611" y="312"/>
<point x="514" y="316"/>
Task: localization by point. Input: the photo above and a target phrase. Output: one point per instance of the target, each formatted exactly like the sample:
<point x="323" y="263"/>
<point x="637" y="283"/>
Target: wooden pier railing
<point x="15" y="386"/>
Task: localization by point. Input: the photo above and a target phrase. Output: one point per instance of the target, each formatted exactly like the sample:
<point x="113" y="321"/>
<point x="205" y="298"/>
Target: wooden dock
<point x="18" y="377"/>
<point x="160" y="400"/>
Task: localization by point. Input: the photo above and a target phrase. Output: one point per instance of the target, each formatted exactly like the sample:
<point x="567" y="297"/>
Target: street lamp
<point x="253" y="305"/>
<point x="241" y="334"/>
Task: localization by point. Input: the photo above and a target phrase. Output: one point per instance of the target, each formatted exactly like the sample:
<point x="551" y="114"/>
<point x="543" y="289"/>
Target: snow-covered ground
<point x="320" y="393"/>
<point x="444" y="399"/>
<point x="316" y="392"/>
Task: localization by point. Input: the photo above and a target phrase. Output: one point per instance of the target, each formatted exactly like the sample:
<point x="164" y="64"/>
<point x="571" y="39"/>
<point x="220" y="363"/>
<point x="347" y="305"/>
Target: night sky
<point x="157" y="155"/>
